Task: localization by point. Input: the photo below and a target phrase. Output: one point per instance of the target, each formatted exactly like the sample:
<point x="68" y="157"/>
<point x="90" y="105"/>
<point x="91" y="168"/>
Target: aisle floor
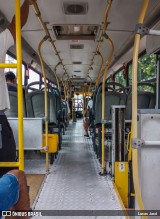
<point x="74" y="183"/>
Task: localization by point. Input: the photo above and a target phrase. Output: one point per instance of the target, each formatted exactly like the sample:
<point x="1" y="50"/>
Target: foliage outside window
<point x="146" y="68"/>
<point x="119" y="78"/>
<point x="109" y="80"/>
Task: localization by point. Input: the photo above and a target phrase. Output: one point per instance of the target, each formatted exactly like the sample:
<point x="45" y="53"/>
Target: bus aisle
<point x="73" y="182"/>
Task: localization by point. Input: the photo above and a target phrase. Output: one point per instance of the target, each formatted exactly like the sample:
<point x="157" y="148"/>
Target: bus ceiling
<point x="82" y="16"/>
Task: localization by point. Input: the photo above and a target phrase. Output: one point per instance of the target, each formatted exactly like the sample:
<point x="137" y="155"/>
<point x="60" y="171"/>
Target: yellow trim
<point x="9" y="164"/>
<point x="121" y="180"/>
<point x="134" y="109"/>
<point x="7" y="65"/>
<point x="120" y="200"/>
<point x="46" y="101"/>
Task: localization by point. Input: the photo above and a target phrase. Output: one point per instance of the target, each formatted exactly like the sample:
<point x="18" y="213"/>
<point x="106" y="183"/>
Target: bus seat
<point x="145" y="101"/>
<point x="111" y="98"/>
<point x="152" y="103"/>
<point x="64" y="111"/>
<point x="36" y="106"/>
<point x="13" y="111"/>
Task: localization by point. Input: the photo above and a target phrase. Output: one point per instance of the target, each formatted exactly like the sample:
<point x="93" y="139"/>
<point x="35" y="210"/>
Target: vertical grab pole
<point x="64" y="85"/>
<point x="89" y="84"/>
<point x="103" y="101"/>
<point x="20" y="91"/>
<point x="56" y="74"/>
<point x="46" y="99"/>
<point x="102" y="61"/>
<point x="134" y="108"/>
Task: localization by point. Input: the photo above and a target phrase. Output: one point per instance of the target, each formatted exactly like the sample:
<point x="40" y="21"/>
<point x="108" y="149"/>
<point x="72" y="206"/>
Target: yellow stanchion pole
<point x="20" y="91"/>
<point x="102" y="61"/>
<point x="18" y="65"/>
<point x="55" y="68"/>
<point x="134" y="109"/>
<point x="89" y="88"/>
<point x="46" y="100"/>
<point x="103" y="101"/>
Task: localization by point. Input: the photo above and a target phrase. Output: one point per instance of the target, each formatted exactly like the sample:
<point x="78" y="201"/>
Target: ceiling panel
<point x="122" y="17"/>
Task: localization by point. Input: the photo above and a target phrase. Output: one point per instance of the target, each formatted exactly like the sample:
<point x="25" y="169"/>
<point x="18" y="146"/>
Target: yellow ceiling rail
<point x="19" y="164"/>
<point x="103" y="100"/>
<point x="55" y="68"/>
<point x="90" y="83"/>
<point x="109" y="2"/>
<point x="38" y="14"/>
<point x="134" y="108"/>
<point x="45" y="98"/>
<point x="102" y="61"/>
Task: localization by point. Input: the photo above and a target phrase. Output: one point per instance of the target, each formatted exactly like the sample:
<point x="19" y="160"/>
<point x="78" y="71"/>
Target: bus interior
<point x="72" y="52"/>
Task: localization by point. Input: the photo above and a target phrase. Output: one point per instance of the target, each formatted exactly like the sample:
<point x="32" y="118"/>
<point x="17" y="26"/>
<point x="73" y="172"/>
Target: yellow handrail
<point x="134" y="108"/>
<point x="6" y="65"/>
<point x="64" y="85"/>
<point x="102" y="61"/>
<point x="55" y="68"/>
<point x="109" y="2"/>
<point x="103" y="100"/>
<point x="19" y="164"/>
<point x="90" y="83"/>
<point x="46" y="100"/>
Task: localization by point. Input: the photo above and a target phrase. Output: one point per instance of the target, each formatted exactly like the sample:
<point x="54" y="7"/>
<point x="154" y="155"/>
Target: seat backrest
<point x="152" y="103"/>
<point x="145" y="100"/>
<point x="13" y="111"/>
<point x="36" y="105"/>
<point x="111" y="98"/>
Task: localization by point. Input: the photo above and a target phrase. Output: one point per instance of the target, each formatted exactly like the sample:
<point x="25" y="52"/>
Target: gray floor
<point x="74" y="182"/>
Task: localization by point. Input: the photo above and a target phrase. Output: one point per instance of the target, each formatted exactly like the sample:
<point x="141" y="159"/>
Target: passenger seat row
<point x="146" y="100"/>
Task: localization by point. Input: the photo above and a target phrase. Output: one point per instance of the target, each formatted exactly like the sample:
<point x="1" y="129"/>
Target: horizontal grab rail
<point x="7" y="65"/>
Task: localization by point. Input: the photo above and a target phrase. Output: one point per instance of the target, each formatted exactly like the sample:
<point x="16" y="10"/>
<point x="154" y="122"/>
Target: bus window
<point x="11" y="60"/>
<point x="130" y="73"/>
<point x="119" y="78"/>
<point x="146" y="68"/>
<point x="33" y="76"/>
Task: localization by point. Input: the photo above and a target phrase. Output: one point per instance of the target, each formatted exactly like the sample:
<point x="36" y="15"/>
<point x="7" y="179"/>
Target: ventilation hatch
<point x="77" y="71"/>
<point x="75" y="31"/>
<point x="75" y="8"/>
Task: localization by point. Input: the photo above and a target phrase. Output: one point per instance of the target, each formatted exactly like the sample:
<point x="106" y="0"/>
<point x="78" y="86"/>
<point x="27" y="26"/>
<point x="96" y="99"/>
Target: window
<point x="33" y="77"/>
<point x="130" y="73"/>
<point x="119" y="78"/>
<point x="146" y="68"/>
<point x="11" y="60"/>
<point x="109" y="80"/>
